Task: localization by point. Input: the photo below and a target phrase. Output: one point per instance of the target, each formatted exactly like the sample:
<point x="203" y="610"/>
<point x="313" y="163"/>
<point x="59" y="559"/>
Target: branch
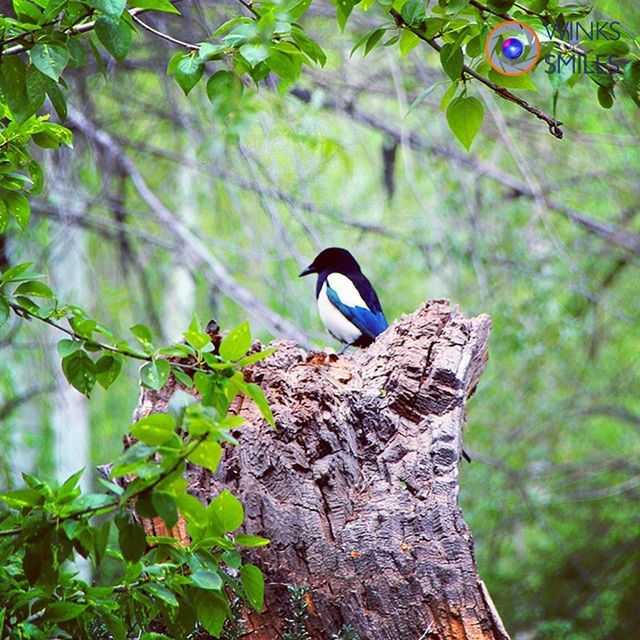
<point x="554" y="125"/>
<point x="612" y="233"/>
<point x="21" y="311"/>
<point x="164" y="36"/>
<point x="193" y="248"/>
<point x="72" y="31"/>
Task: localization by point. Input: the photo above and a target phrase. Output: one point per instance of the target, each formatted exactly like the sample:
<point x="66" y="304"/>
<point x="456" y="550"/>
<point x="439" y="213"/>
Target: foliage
<point x="296" y="625"/>
<point x="43" y="526"/>
<point x="550" y="497"/>
<point x="51" y="38"/>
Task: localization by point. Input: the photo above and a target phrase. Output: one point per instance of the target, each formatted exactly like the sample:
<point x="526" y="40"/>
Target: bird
<point x="347" y="302"/>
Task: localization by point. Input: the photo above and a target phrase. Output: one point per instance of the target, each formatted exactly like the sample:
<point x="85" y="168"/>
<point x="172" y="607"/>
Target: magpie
<point x="347" y="303"/>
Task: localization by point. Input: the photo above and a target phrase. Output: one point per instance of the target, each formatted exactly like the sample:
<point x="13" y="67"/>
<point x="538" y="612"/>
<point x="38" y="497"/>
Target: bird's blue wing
<point x="369" y="322"/>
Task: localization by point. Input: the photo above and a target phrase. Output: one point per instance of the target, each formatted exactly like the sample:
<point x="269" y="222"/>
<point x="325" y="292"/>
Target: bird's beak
<point x="306" y="272"/>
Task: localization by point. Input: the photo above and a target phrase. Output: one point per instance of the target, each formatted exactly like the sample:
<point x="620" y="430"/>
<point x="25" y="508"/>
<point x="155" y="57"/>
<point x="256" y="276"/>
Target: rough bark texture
<point x="357" y="488"/>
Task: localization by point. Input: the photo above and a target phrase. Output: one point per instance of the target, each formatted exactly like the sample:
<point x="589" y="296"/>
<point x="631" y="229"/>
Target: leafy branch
<point x="554" y="125"/>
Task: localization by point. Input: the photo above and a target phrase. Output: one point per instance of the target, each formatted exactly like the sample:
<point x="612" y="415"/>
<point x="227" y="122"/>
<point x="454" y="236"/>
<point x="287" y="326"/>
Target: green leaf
<point x="165" y="506"/>
<point x="245" y="540"/>
<point x="464" y="116"/>
<point x="50" y="59"/>
<point x="4" y="216"/>
<point x="18" y="206"/>
<point x="373" y="40"/>
<point x="37" y="84"/>
<point x="212" y="610"/>
<point x="617" y="48"/>
<point x="58" y="100"/>
<point x="161" y="592"/>
<point x="408" y="41"/>
<point x="113" y="8"/>
<point x="225" y="512"/>
<point x="53" y="136"/>
<point x="115" y="35"/>
<point x="61" y="611"/>
<point x="452" y="60"/>
<point x="34" y="288"/>
<point x="19" y="273"/>
<point x="143" y="334"/>
<point x="605" y="97"/>
<point x="422" y="97"/>
<point x="207" y="454"/>
<point x="67" y="347"/>
<point x="512" y="82"/>
<point x="5" y="310"/>
<point x="210" y="51"/>
<point x="448" y="96"/>
<point x="100" y="540"/>
<point x="257" y="395"/>
<point x="255" y="357"/>
<point x="13" y="84"/>
<point x="343" y="11"/>
<point x="131" y="539"/>
<point x="182" y="377"/>
<point x="155" y="374"/>
<point x="232" y="558"/>
<point x="208" y="580"/>
<point x="414" y="12"/>
<point x="474" y="47"/>
<point x="187" y="70"/>
<point x="197" y="339"/>
<point x="108" y="369"/>
<point x="253" y="583"/>
<point x="192" y="509"/>
<point x="155" y="5"/>
<point x="27" y="11"/>
<point x="254" y="53"/>
<point x="308" y="45"/>
<point x="155" y="429"/>
<point x="19" y="498"/>
<point x="80" y="370"/>
<point x="236" y="343"/>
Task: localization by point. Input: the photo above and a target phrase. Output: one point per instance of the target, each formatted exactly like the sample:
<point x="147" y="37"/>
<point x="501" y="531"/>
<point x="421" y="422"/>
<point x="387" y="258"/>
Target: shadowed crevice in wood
<point x="357" y="488"/>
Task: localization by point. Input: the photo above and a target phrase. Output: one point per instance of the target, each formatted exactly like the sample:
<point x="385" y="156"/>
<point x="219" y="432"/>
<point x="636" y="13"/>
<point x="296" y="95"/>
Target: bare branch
<point x="193" y="249"/>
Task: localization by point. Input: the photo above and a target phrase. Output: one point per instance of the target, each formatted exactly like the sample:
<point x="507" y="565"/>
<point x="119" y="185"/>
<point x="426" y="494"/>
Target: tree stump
<point x="357" y="488"/>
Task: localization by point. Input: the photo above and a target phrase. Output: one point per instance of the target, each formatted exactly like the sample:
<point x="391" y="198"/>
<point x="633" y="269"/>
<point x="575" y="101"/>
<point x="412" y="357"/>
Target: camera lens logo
<point x="512" y="48"/>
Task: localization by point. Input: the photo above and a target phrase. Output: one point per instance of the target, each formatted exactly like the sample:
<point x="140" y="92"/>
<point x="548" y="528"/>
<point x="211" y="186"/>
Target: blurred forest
<point x="517" y="228"/>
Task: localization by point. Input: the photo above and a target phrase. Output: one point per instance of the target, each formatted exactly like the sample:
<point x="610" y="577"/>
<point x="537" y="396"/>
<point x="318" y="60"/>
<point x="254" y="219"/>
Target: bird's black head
<point x="333" y="259"/>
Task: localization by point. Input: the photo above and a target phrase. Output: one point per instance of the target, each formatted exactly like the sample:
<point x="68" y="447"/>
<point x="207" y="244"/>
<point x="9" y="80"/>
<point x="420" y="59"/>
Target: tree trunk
<point x="357" y="488"/>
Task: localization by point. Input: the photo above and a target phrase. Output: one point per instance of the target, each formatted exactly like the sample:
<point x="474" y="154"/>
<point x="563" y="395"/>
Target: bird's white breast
<point x="337" y="325"/>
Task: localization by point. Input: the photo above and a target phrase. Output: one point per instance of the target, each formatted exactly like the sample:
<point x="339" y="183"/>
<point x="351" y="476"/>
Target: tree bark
<point x="357" y="488"/>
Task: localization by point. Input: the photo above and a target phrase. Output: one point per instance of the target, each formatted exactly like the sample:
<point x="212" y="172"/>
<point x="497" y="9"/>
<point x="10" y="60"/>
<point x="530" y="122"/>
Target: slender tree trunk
<point x="70" y="412"/>
<point x="179" y="295"/>
<point x="357" y="488"/>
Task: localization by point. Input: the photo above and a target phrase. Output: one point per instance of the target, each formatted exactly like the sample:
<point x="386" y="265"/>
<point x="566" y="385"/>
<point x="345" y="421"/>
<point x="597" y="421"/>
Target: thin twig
<point x="21" y="311"/>
<point x="165" y="36"/>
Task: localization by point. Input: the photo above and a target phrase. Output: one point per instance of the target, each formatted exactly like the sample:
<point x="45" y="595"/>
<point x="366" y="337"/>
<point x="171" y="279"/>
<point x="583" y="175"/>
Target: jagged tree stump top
<point x="357" y="488"/>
